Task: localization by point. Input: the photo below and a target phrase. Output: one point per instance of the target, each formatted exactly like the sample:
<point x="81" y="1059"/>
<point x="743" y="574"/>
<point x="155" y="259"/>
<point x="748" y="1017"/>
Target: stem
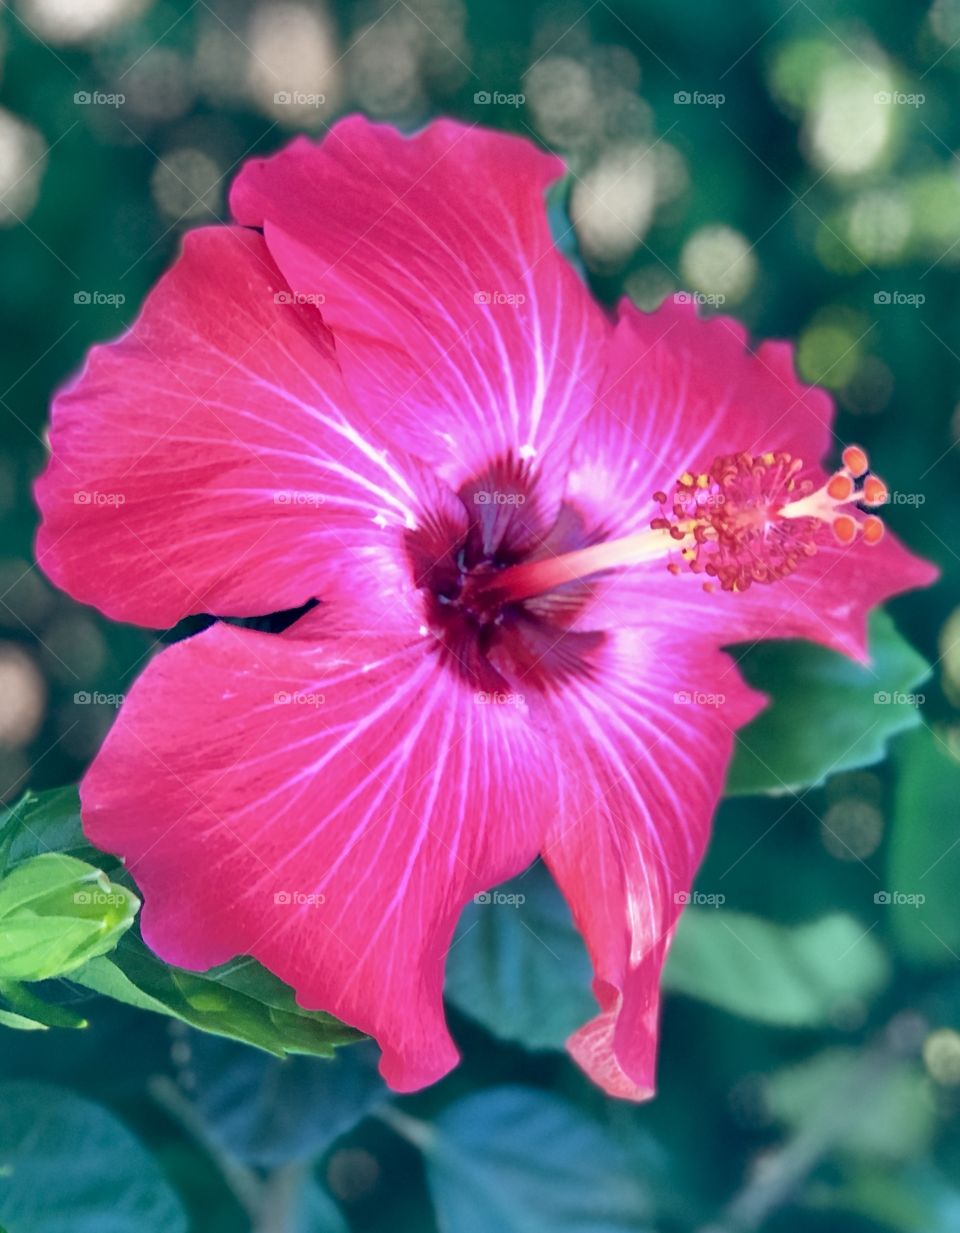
<point x="786" y="1169"/>
<point x="243" y="1183"/>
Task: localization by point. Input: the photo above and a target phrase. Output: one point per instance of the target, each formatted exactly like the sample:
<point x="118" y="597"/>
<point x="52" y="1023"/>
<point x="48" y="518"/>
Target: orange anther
<point x="872" y="529"/>
<point x="856" y="461"/>
<point x="874" y="491"/>
<point x="845" y="529"/>
<point x="840" y="487"/>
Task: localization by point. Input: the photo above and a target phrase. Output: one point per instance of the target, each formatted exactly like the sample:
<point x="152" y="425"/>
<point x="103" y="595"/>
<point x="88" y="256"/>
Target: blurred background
<point x="791" y="163"/>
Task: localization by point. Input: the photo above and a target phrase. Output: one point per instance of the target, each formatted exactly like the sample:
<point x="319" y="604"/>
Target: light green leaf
<point x="895" y="1115"/>
<point x="56" y="912"/>
<point x="792" y="976"/>
<point x="827" y="713"/>
<point x="923" y="868"/>
<point x="68" y="1165"/>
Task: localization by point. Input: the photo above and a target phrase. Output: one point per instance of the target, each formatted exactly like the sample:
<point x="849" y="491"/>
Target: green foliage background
<point x="810" y="1073"/>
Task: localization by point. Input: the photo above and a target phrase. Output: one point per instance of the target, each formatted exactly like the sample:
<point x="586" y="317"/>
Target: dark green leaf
<point x="520" y="1160"/>
<point x="46" y="822"/>
<point x="267" y="1016"/>
<point x="519" y="967"/>
<point x="923" y="868"/>
<point x="269" y="1112"/>
<point x="68" y="1165"/>
<point x="827" y="713"/>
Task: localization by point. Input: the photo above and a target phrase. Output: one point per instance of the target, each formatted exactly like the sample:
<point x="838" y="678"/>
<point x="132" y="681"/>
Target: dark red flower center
<point x="493" y="642"/>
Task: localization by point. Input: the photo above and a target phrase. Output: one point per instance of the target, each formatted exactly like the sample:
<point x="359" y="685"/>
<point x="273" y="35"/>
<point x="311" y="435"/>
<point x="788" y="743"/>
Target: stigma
<point x="750" y="518"/>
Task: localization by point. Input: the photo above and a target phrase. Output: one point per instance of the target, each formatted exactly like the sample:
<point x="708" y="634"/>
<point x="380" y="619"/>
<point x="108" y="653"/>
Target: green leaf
<point x="269" y="1112"/>
<point x="241" y="1000"/>
<point x="27" y="1010"/>
<point x="46" y="822"/>
<point x="20" y="1022"/>
<point x="518" y="965"/>
<point x="520" y="1160"/>
<point x="791" y="976"/>
<point x="56" y="913"/>
<point x="827" y="713"/>
<point x="923" y="865"/>
<point x="68" y="1165"/>
<point x="315" y="1211"/>
<point x="253" y="1007"/>
<point x="895" y="1117"/>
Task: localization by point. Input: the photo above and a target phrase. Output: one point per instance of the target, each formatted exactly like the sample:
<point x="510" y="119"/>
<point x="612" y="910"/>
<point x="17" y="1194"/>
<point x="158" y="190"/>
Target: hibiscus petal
<point x="413" y="242"/>
<point x="210" y="460"/>
<point x="644" y="748"/>
<point x="680" y="390"/>
<point x="326" y="807"/>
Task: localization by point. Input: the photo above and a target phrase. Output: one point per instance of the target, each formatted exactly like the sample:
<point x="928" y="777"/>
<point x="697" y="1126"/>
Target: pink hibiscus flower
<point x="530" y="527"/>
